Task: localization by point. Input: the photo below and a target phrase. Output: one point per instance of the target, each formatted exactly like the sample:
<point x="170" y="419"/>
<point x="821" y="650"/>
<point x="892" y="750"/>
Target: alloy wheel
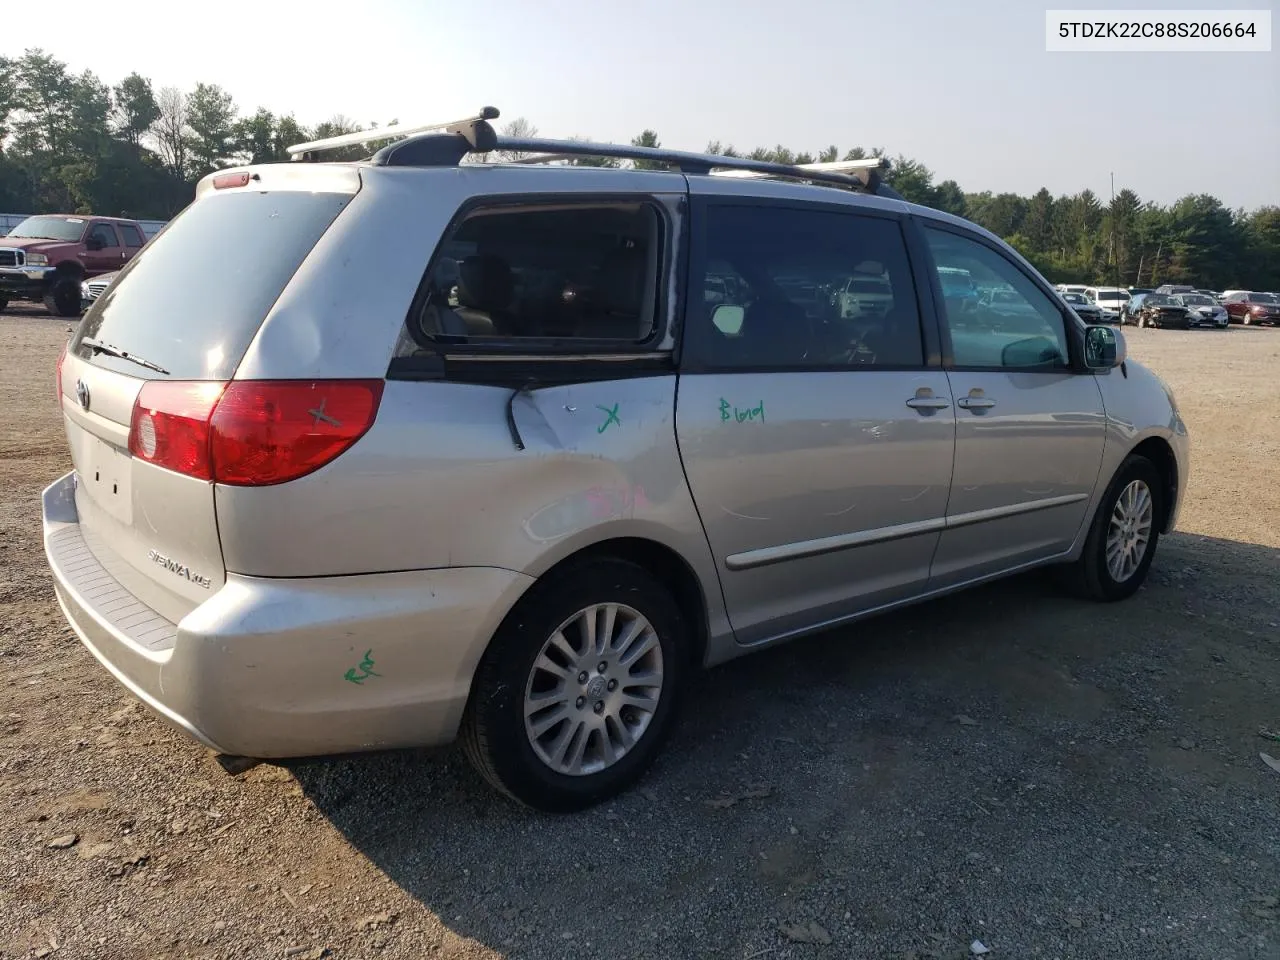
<point x="594" y="689"/>
<point x="1129" y="532"/>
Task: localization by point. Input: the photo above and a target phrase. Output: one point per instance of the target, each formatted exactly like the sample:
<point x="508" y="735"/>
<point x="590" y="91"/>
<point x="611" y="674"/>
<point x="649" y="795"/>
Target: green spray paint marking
<point x="728" y="412"/>
<point x="365" y="669"/>
<point x="612" y="417"/>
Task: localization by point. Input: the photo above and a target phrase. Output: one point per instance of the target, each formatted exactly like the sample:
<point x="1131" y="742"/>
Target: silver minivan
<point x="387" y="453"/>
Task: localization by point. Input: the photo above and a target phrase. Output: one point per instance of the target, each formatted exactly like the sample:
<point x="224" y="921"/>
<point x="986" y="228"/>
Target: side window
<point x="132" y="235"/>
<point x="564" y="270"/>
<point x="788" y="288"/>
<point x="103" y="233"/>
<point x="1011" y="323"/>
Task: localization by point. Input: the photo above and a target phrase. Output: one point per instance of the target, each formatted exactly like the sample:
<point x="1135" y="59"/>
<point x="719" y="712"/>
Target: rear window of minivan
<point x="192" y="300"/>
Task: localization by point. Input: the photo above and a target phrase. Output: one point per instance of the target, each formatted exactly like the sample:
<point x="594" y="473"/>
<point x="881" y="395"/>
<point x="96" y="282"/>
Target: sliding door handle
<point x="928" y="403"/>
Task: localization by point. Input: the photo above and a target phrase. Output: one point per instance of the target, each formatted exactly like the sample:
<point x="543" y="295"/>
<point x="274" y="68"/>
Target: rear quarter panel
<point x="439" y="482"/>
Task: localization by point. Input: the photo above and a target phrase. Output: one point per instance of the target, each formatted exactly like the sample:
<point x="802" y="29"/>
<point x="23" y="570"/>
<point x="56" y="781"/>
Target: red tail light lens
<point x="250" y="432"/>
<point x="170" y="425"/>
<point x="267" y="432"/>
<point x="57" y="374"/>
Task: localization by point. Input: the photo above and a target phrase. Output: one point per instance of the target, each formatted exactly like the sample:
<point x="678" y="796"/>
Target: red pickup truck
<point x="45" y="258"/>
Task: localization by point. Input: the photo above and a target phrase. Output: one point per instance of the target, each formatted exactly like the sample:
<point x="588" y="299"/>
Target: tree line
<point x="71" y="143"/>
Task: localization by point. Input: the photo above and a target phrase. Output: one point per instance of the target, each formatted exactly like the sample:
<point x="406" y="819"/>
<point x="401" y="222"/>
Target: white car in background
<point x="1203" y="310"/>
<point x="1110" y="300"/>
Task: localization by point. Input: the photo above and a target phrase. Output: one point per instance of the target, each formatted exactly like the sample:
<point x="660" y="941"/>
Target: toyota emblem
<point x="82" y="393"/>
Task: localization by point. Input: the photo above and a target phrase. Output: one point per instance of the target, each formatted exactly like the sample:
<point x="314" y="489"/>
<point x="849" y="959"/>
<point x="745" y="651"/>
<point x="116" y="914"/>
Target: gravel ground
<point x="1049" y="777"/>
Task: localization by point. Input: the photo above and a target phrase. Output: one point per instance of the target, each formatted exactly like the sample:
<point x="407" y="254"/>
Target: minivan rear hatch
<point x="174" y="325"/>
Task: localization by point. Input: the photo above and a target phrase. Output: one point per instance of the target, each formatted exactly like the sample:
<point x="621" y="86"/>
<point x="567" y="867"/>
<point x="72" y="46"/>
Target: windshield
<point x="1262" y="298"/>
<point x="1159" y="299"/>
<point x="1197" y="300"/>
<point x="187" y="307"/>
<point x="68" y="229"/>
<point x="1075" y="298"/>
<point x="1113" y="295"/>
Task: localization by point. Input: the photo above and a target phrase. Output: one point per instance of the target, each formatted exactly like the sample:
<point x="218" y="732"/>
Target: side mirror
<point x="1104" y="347"/>
<point x="728" y="318"/>
<point x="94" y="243"/>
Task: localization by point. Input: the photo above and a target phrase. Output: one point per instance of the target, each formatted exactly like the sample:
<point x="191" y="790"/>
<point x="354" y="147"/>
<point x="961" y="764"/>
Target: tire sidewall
<point x="65" y="287"/>
<point x="509" y="662"/>
<point x="1134" y="468"/>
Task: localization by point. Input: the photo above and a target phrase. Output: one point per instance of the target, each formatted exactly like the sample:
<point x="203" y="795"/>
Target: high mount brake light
<point x="224" y="180"/>
<point x="250" y="432"/>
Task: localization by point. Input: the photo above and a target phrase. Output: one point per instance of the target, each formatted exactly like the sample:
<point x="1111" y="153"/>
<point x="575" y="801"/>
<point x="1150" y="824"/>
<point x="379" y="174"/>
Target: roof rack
<point x="856" y="174"/>
<point x="399" y="131"/>
<point x="447" y="144"/>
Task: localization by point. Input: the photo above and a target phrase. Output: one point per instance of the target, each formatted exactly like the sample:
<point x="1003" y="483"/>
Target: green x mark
<point x="611" y="418"/>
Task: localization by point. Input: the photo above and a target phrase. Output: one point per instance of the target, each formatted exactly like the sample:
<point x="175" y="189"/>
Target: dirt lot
<point x="1049" y="777"/>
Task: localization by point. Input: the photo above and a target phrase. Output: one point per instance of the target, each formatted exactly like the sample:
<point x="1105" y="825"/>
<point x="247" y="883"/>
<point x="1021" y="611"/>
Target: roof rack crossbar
<point x="836" y="174"/>
<point x="469" y="127"/>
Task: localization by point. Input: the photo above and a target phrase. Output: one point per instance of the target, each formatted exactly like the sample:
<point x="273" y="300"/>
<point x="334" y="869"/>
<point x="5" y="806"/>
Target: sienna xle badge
<point x="505" y="452"/>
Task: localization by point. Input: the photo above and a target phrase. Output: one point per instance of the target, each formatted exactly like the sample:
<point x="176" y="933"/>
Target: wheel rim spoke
<point x="595" y="687"/>
<point x="549" y="719"/>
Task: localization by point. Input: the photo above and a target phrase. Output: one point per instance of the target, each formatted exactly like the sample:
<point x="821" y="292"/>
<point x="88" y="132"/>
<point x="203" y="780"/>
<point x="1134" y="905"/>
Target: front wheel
<point x="4" y="304"/>
<point x="1122" y="538"/>
<point x="579" y="687"/>
<point x="62" y="299"/>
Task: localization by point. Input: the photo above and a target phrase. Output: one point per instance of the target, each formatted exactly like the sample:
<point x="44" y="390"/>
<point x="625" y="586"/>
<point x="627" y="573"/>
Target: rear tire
<point x="540" y="733"/>
<point x="63" y="297"/>
<point x="4" y="304"/>
<point x="1123" y="536"/>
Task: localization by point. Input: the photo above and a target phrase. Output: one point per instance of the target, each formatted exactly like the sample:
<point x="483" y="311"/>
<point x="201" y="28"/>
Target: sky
<point x="965" y="88"/>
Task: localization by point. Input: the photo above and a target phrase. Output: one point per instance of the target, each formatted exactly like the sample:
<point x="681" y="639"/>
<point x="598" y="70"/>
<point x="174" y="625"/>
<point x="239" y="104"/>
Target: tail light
<point x="57" y="374"/>
<point x="250" y="432"/>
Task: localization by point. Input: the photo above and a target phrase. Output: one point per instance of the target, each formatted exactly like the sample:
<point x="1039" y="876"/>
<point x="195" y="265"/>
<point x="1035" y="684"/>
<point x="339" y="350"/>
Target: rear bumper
<point x="288" y="668"/>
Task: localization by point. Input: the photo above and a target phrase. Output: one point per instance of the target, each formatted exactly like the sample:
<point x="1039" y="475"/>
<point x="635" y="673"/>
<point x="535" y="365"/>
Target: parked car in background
<point x="862" y="295"/>
<point x="1086" y="309"/>
<point x="1210" y="293"/>
<point x="46" y="258"/>
<point x="1110" y="301"/>
<point x="1203" y="310"/>
<point x="1162" y="311"/>
<point x="958" y="287"/>
<point x="1175" y="288"/>
<point x="92" y="289"/>
<point x="1071" y="287"/>
<point x="1131" y="306"/>
<point x="1134" y="291"/>
<point x="1249" y="307"/>
<point x="263" y="569"/>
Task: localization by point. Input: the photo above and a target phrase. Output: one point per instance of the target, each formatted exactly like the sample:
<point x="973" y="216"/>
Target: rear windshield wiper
<point x="97" y="346"/>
